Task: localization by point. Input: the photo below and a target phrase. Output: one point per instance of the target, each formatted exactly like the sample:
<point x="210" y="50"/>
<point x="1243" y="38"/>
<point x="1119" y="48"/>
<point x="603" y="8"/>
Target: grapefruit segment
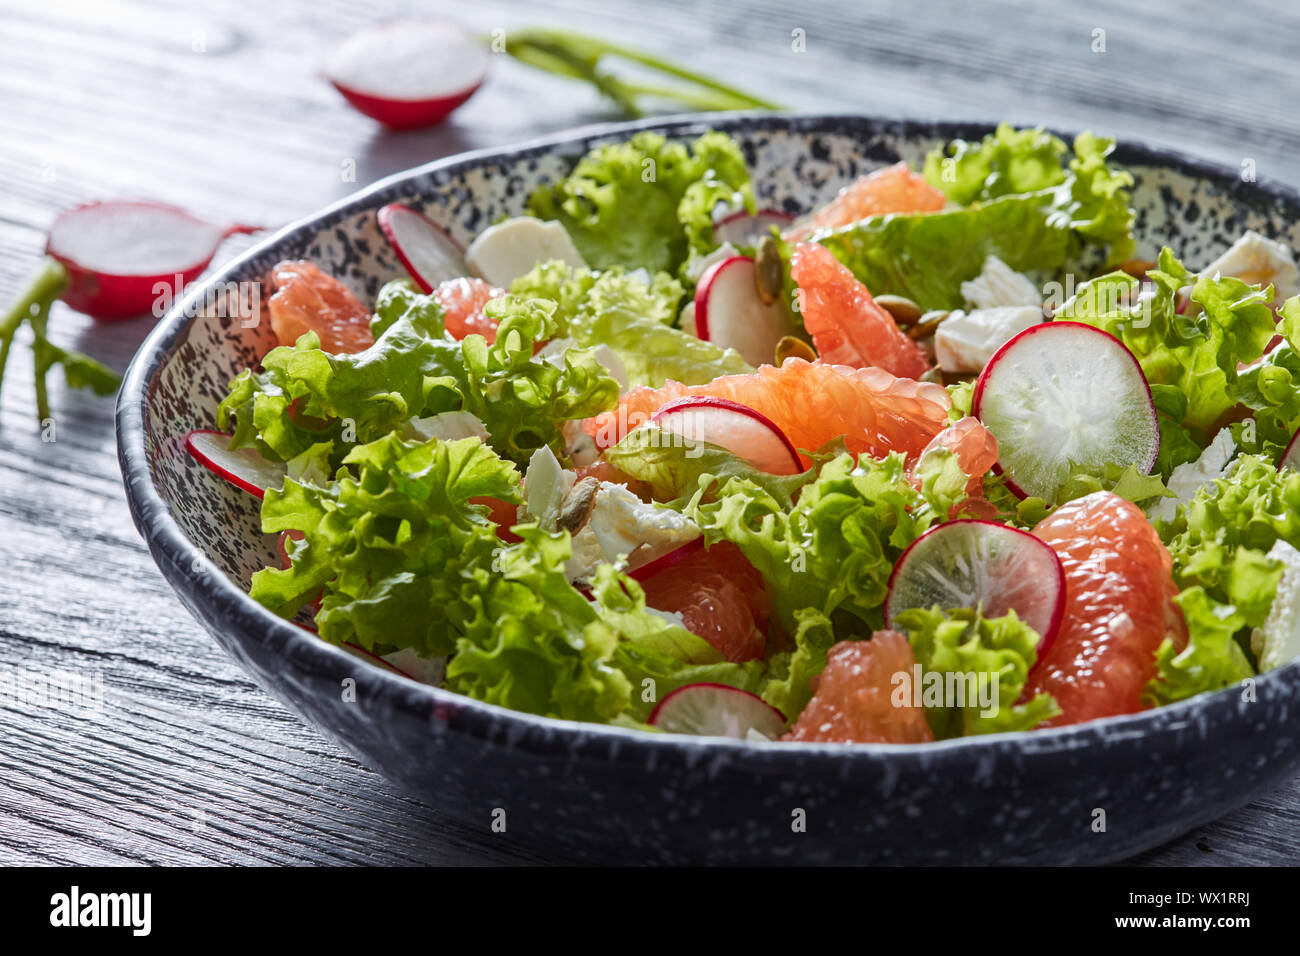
<point x="810" y="402"/>
<point x="845" y="323"/>
<point x="720" y="596"/>
<point x="1119" y="608"/>
<point x="463" y="300"/>
<point x="307" y="300"/>
<point x="851" y="702"/>
<point x="975" y="447"/>
<point x="892" y="189"/>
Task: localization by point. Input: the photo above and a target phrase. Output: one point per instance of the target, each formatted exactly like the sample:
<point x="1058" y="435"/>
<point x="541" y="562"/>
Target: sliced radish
<point x="971" y="563"/>
<point x="716" y="710"/>
<point x="741" y="228"/>
<point x="662" y="563"/>
<point x="356" y="650"/>
<point x="739" y="429"/>
<point x="408" y="73"/>
<point x="429" y="254"/>
<point x="1291" y="457"/>
<point x="243" y="467"/>
<point x="117" y="251"/>
<point x="1065" y="394"/>
<point x="729" y="312"/>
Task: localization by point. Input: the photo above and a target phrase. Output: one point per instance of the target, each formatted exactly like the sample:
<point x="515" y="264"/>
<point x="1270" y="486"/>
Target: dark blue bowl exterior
<point x="1089" y="794"/>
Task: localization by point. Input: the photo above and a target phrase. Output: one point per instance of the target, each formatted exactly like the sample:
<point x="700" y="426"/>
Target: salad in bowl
<point x="939" y="458"/>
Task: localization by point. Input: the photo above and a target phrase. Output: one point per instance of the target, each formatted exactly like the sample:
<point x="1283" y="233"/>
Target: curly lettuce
<point x="304" y="396"/>
<point x="833" y="549"/>
<point x="632" y="314"/>
<point x="990" y="657"/>
<point x="647" y="202"/>
<point x="1196" y="351"/>
<point x="1213" y="658"/>
<point x="1004" y="162"/>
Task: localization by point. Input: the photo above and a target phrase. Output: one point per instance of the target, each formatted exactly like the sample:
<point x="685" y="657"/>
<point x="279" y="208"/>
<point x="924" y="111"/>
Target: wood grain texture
<point x="185" y="760"/>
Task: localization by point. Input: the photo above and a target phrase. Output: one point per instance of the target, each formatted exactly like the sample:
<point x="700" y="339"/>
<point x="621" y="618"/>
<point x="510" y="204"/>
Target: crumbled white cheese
<point x="999" y="285"/>
<point x="447" y="426"/>
<point x="1277" y="640"/>
<point x="623" y="526"/>
<point x="1259" y="260"/>
<point x="554" y="351"/>
<point x="965" y="341"/>
<point x="699" y="265"/>
<point x="510" y="249"/>
<point x="427" y="670"/>
<point x="545" y="486"/>
<point x="1191" y="477"/>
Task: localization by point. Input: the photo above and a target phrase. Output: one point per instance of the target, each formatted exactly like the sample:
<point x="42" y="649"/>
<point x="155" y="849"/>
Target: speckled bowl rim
<point x="175" y="554"/>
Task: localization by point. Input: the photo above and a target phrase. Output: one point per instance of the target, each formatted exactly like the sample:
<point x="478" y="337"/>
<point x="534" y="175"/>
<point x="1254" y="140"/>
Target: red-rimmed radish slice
<point x="408" y="73"/>
<point x="244" y="467"/>
<point x="741" y="430"/>
<point x="971" y="563"/>
<point x="1291" y="457"/>
<point x="1065" y="394"/>
<point x="662" y="563"/>
<point x="743" y="229"/>
<point x="429" y="254"/>
<point x="716" y="710"/>
<point x="117" y="252"/>
<point x="729" y="312"/>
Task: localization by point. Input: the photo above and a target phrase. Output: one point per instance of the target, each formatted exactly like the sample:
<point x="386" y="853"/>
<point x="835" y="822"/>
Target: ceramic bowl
<point x="1085" y="794"/>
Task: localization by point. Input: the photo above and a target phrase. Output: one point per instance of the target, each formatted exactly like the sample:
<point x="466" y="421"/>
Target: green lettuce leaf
<point x="788" y="686"/>
<point x="1220" y="540"/>
<point x="647" y="202"/>
<point x="927" y="257"/>
<point x="1213" y="658"/>
<point x="633" y="316"/>
<point x="833" y="550"/>
<point x="991" y="655"/>
<point x="1271" y="390"/>
<point x="304" y="396"/>
<point x="1003" y="162"/>
<point x="1021" y="206"/>
<point x="1197" y="351"/>
<point x="388" y="542"/>
<point x="674" y="468"/>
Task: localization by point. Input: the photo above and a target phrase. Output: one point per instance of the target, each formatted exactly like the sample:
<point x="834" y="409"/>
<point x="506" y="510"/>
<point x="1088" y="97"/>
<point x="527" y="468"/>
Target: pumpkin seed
<point x="904" y="310"/>
<point x="578" y="504"/>
<point x="769" y="271"/>
<point x="928" y="323"/>
<point x="791" y="347"/>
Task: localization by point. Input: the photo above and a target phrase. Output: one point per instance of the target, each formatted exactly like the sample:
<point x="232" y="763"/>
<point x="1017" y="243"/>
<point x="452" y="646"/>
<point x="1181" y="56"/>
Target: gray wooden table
<point x="181" y="759"/>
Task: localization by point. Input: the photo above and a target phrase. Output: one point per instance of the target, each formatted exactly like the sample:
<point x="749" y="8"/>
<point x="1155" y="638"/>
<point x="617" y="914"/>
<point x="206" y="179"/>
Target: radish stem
<point x="33" y="307"/>
<point x="579" y="57"/>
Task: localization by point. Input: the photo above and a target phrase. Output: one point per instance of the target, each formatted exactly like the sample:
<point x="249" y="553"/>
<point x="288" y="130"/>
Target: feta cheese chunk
<point x="965" y="341"/>
<point x="447" y="426"/>
<point x="1189" y="478"/>
<point x="622" y="526"/>
<point x="510" y="249"/>
<point x="699" y="265"/>
<point x="1277" y="641"/>
<point x="999" y="285"/>
<point x="1257" y="259"/>
<point x="546" y="485"/>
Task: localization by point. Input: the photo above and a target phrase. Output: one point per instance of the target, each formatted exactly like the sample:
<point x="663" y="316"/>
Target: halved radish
<point x="429" y="254"/>
<point x="117" y="252"/>
<point x="743" y="229"/>
<point x="1291" y="456"/>
<point x="729" y="312"/>
<point x="973" y="563"/>
<point x="1065" y="394"/>
<point x="741" y="430"/>
<point x="243" y="467"/>
<point x="408" y="73"/>
<point x="716" y="710"/>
